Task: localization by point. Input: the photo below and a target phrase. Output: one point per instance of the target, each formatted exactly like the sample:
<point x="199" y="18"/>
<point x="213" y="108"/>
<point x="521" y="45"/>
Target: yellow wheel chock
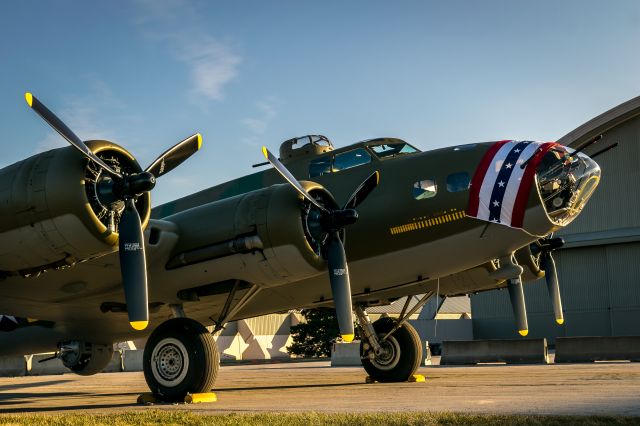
<point x="191" y="398"/>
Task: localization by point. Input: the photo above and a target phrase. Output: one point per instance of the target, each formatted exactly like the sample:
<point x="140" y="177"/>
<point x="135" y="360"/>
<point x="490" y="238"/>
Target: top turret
<point x="304" y="146"/>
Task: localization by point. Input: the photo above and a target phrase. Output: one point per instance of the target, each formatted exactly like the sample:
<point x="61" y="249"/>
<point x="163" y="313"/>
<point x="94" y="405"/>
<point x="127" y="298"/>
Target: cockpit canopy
<point x="359" y="154"/>
<point x="312" y="148"/>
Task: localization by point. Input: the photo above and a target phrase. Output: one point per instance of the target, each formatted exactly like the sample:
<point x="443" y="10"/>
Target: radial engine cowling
<point x="276" y="221"/>
<point x="52" y="214"/>
<point x="84" y="358"/>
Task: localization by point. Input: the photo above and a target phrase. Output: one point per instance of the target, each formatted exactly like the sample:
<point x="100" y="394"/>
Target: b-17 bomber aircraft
<point x="86" y="262"/>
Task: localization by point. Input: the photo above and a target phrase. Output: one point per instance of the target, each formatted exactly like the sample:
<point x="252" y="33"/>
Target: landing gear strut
<point x="180" y="357"/>
<point x="389" y="353"/>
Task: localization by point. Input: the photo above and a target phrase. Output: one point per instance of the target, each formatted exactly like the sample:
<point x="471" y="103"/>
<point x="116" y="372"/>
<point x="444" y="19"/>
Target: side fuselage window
<point x="349" y="159"/>
<point x="424" y="189"/>
<point x="457" y="182"/>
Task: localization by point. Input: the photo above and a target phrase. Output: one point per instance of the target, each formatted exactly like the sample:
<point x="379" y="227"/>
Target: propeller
<point x="126" y="188"/>
<point x="331" y="222"/>
<point x="545" y="246"/>
<point x="516" y="294"/>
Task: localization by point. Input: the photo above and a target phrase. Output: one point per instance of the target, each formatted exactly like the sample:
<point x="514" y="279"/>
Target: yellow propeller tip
<point x="560" y="321"/>
<point x="199" y="140"/>
<point x="523" y="332"/>
<point x="377" y="177"/>
<point x="29" y="98"/>
<point x="348" y="337"/>
<point x="139" y="325"/>
<point x="265" y="152"/>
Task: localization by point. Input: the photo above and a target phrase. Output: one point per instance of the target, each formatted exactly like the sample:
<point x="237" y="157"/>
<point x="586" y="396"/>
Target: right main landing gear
<point x="180" y="357"/>
<point x="388" y="357"/>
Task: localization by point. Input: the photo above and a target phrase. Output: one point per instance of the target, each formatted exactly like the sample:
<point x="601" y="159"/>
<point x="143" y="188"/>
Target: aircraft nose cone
<point x="566" y="180"/>
<point x="561" y="180"/>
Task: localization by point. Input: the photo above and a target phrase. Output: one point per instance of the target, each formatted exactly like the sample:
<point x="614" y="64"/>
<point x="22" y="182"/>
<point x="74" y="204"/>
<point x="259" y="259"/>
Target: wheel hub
<point x="389" y="355"/>
<point x="170" y="362"/>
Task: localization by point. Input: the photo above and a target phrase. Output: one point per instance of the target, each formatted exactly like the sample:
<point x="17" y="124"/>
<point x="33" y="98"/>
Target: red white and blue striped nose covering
<point x="500" y="187"/>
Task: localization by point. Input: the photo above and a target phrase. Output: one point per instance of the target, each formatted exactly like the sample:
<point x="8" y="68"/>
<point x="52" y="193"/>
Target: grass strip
<point x="156" y="417"/>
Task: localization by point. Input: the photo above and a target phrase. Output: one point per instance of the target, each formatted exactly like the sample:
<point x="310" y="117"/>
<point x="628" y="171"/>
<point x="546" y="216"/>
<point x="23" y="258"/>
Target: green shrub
<point x="315" y="336"/>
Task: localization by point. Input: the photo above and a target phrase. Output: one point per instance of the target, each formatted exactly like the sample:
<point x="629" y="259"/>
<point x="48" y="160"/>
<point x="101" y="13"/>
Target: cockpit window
<point x="320" y="166"/>
<point x="349" y="159"/>
<point x="392" y="149"/>
<point x="323" y="141"/>
<point x="345" y="160"/>
<point x="310" y="140"/>
<point x="457" y="182"/>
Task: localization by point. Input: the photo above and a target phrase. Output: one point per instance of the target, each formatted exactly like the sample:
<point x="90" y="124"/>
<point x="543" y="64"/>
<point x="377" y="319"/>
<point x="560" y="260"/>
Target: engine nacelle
<point x="51" y="213"/>
<point x="276" y="222"/>
<point x="530" y="264"/>
<point x="85" y="358"/>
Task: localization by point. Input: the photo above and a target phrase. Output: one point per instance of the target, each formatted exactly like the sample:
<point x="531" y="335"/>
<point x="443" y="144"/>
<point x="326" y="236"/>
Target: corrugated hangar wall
<point x="599" y="267"/>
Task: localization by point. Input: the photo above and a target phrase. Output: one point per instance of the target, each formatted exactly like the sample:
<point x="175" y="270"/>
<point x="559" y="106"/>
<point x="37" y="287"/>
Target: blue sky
<point x="148" y="73"/>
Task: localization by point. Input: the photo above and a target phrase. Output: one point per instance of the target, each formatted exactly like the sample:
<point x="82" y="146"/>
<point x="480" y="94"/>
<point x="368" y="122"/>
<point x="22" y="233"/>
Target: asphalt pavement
<point x="577" y="389"/>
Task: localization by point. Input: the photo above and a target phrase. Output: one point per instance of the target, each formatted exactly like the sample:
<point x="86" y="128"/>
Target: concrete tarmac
<point x="577" y="389"/>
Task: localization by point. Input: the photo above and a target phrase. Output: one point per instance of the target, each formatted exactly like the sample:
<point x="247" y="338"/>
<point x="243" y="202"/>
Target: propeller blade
<point x="176" y="155"/>
<point x="548" y="265"/>
<point x="340" y="286"/>
<point x="516" y="294"/>
<point x="133" y="266"/>
<point x="290" y="178"/>
<point x="64" y="131"/>
<point x="363" y="191"/>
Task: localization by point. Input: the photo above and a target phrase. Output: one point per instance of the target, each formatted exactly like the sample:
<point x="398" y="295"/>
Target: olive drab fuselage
<point x="252" y="235"/>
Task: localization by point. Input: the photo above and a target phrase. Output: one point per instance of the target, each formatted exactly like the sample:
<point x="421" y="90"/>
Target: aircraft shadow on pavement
<point x="21" y="398"/>
<point x="31" y="385"/>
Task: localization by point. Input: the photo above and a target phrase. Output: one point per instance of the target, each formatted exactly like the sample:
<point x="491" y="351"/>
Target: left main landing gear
<point x="388" y="357"/>
<point x="180" y="357"/>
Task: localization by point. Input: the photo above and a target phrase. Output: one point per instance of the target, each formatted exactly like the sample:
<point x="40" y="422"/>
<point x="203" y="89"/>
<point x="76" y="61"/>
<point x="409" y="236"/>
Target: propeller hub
<point x="138" y="183"/>
<point x="551" y="244"/>
<point x="338" y="219"/>
<point x="546" y="245"/>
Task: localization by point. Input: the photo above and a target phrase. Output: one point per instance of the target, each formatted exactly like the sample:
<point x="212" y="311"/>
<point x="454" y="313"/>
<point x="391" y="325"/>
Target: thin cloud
<point x="211" y="63"/>
<point x="259" y="124"/>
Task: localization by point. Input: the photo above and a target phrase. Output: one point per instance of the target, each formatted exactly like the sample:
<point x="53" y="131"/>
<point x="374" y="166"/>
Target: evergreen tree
<point x="315" y="337"/>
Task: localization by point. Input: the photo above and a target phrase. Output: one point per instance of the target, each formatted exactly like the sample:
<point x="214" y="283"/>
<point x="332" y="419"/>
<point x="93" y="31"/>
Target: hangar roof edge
<point x="603" y="122"/>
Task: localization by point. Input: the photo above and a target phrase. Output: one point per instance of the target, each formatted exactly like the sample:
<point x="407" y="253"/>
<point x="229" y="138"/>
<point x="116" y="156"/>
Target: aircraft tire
<point x="403" y="355"/>
<point x="180" y="357"/>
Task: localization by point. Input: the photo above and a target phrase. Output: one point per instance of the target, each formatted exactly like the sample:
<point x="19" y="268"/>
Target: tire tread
<point x="409" y="361"/>
<point x="203" y="357"/>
